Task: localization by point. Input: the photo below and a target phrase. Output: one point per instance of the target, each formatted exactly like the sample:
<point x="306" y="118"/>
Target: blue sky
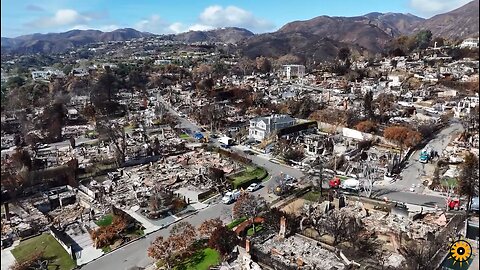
<point x="167" y="16"/>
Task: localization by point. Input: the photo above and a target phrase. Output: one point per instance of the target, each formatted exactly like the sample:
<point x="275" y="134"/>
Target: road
<point x="135" y="254"/>
<point x="184" y="123"/>
<point x="415" y="172"/>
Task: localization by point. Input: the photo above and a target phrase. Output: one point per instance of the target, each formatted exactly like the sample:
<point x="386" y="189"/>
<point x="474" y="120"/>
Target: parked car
<point x="253" y="187"/>
<point x="249" y="152"/>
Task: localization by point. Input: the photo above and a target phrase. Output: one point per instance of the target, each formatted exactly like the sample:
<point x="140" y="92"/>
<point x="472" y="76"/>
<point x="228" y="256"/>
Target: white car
<point x="253" y="187"/>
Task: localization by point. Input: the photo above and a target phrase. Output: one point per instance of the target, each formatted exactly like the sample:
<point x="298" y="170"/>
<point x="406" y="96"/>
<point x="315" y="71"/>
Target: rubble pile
<point x="296" y="251"/>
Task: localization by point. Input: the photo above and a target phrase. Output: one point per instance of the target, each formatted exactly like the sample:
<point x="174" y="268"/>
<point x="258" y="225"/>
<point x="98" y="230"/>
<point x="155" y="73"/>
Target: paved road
<point x="416" y="172"/>
<point x="184" y="123"/>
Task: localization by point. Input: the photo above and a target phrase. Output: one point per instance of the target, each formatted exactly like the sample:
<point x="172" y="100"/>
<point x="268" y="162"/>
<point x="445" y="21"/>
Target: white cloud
<point x="103" y="28"/>
<point x="177" y="27"/>
<point x="155" y="24"/>
<point x="200" y="27"/>
<point x="212" y="17"/>
<point x="62" y="17"/>
<point x="433" y="7"/>
<point x="108" y="28"/>
<point x="80" y="27"/>
<point x="218" y="16"/>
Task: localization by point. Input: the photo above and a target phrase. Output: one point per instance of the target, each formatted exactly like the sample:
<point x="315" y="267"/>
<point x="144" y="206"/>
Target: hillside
<point x="61" y="42"/>
<point x="457" y="24"/>
<point x="229" y="35"/>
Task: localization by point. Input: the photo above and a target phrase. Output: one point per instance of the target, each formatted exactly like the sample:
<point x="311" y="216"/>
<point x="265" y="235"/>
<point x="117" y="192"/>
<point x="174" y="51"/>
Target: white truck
<point x="225" y="140"/>
<point x="350" y="184"/>
<point x="231" y="196"/>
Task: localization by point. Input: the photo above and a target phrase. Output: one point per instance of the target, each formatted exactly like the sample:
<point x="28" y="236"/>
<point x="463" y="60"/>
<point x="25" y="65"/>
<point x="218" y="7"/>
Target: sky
<point x="175" y="16"/>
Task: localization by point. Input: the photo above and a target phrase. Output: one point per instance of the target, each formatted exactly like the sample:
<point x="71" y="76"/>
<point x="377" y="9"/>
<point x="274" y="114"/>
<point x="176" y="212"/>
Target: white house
<point x="470" y="43"/>
<point x="293" y="71"/>
<point x="40" y="75"/>
<point x="465" y="106"/>
<point x="46" y="74"/>
<point x="261" y="127"/>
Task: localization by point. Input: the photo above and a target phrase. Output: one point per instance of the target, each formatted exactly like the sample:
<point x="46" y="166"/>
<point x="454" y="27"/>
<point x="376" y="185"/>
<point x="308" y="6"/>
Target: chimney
<point x="283" y="227"/>
<point x="7" y="211"/>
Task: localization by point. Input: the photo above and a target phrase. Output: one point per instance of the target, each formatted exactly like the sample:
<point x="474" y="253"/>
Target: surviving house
<point x="262" y="127"/>
<point x="470" y="43"/>
<point x="293" y="71"/>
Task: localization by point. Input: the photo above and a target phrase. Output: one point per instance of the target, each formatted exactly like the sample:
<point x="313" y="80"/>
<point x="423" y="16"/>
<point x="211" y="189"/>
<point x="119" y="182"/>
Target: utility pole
<point x="321" y="179"/>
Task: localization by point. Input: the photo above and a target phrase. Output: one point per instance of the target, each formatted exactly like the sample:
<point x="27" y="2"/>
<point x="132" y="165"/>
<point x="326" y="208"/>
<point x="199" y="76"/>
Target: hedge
<point x="235" y="223"/>
<point x="245" y="178"/>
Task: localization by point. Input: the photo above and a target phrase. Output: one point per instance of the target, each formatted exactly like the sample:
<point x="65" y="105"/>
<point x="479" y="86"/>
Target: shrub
<point x="235" y="223"/>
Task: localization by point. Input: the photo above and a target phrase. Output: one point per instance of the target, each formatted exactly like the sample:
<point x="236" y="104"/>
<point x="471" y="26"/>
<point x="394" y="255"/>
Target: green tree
<point x="423" y="39"/>
<point x="15" y="82"/>
<point x="468" y="180"/>
<point x="67" y="69"/>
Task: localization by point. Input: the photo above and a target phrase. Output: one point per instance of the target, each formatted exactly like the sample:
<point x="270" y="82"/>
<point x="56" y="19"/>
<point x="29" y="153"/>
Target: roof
<point x="274" y="118"/>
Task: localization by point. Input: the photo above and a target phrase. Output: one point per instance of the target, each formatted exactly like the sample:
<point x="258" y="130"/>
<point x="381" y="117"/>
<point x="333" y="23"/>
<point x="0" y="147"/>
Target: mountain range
<point x="321" y="36"/>
<point x="61" y="42"/>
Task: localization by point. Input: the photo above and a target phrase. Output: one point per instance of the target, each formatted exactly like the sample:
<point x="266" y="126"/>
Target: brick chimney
<point x="247" y="246"/>
<point x="283" y="227"/>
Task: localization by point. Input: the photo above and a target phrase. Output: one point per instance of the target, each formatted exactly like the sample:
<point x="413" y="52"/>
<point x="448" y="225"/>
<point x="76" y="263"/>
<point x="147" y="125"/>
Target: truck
<point x="231" y="196"/>
<point x="225" y="140"/>
<point x="351" y="184"/>
<point x="335" y="183"/>
<point x="424" y="156"/>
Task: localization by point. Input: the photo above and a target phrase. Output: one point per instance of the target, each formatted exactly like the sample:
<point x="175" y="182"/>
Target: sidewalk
<point x="7" y="257"/>
<point x="427" y="191"/>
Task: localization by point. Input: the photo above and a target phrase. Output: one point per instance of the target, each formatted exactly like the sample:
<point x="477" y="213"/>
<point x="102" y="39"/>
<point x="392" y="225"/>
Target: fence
<point x="234" y="156"/>
<point x="64" y="240"/>
<point x="205" y="195"/>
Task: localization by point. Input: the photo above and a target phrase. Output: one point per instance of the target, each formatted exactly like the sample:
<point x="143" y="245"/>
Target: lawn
<point x="257" y="229"/>
<point x="201" y="260"/>
<point x="105" y="220"/>
<point x="235" y="222"/>
<point x="312" y="196"/>
<point x="248" y="175"/>
<point x="449" y="182"/>
<point x="184" y="136"/>
<point x="51" y="248"/>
